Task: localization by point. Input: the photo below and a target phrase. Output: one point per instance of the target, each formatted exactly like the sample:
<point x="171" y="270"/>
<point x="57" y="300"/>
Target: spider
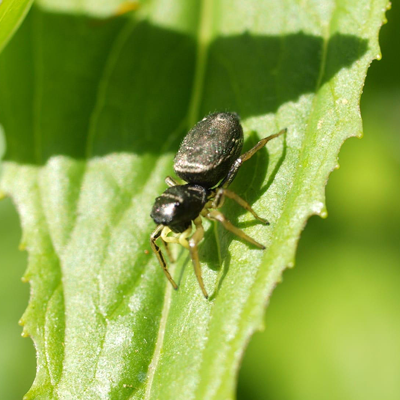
<point x="208" y="159"/>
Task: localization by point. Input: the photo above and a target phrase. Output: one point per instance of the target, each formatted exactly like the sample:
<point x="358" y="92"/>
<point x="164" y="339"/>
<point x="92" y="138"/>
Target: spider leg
<point x="218" y="216"/>
<point x="194" y="254"/>
<point x="166" y="238"/>
<point x="244" y="157"/>
<point x="168" y="250"/>
<point x="183" y="237"/>
<point x="219" y="200"/>
<point x="154" y="236"/>
<point x="170" y="181"/>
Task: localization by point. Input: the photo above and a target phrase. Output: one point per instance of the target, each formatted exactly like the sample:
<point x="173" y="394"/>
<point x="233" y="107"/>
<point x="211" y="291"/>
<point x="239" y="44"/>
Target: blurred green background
<point x="332" y="330"/>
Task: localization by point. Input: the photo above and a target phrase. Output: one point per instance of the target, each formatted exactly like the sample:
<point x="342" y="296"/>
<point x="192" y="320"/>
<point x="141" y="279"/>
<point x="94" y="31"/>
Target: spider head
<point x="178" y="206"/>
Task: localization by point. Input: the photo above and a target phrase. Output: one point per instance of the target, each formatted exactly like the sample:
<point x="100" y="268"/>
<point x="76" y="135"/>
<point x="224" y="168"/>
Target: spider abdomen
<point x="209" y="149"/>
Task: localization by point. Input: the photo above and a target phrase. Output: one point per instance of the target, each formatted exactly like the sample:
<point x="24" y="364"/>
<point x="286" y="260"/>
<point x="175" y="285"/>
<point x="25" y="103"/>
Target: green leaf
<point x="93" y="118"/>
<point x="12" y="13"/>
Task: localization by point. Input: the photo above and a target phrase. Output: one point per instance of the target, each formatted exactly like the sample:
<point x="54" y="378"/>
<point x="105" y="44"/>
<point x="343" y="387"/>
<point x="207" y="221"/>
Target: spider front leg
<point x="194" y="254"/>
<point x="219" y="200"/>
<point x="154" y="236"/>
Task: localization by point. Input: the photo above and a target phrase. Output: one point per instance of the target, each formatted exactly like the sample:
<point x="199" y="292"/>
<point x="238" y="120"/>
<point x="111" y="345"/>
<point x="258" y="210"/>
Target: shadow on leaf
<point x="125" y="86"/>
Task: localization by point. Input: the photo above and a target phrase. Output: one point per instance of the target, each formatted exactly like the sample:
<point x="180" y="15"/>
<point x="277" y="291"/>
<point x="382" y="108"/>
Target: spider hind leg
<point x="220" y="195"/>
<point x="215" y="215"/>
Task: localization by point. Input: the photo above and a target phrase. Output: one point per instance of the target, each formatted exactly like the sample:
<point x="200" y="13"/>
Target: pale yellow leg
<point x="183" y="237"/>
<point x="193" y="242"/>
<point x="169" y="239"/>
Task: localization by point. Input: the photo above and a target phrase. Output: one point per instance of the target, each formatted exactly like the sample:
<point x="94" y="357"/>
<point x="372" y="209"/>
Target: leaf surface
<point x="103" y="102"/>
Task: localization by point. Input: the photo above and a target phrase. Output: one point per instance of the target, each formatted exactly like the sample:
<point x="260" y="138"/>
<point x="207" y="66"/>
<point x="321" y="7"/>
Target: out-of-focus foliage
<point x="17" y="355"/>
<point x="12" y="13"/>
<point x="333" y="327"/>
